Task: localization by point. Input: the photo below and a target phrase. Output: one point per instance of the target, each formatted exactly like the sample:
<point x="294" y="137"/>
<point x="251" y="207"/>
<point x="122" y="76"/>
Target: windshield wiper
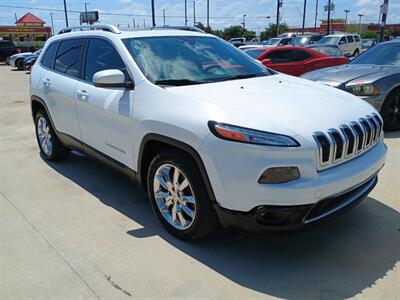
<point x="177" y="82"/>
<point x="243" y="76"/>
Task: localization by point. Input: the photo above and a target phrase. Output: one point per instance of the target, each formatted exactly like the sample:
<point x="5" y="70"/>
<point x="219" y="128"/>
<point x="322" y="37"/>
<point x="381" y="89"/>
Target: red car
<point x="295" y="60"/>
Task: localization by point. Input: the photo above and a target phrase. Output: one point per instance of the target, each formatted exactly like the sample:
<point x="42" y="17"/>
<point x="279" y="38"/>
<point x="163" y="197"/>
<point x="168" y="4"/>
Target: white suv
<point x="213" y="136"/>
<point x="349" y="44"/>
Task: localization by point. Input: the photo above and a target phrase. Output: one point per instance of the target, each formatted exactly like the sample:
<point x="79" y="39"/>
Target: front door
<point x="104" y="113"/>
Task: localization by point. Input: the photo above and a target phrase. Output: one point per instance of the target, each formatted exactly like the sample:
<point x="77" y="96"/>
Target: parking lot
<point x="79" y="230"/>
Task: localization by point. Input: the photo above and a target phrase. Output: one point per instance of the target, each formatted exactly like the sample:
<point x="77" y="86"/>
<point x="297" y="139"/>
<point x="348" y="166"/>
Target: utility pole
<point x="244" y="21"/>
<point x="163" y="11"/>
<point x="194" y="13"/>
<point x="186" y="19"/>
<point x="278" y="7"/>
<point x="16" y="19"/>
<point x="65" y="12"/>
<point x="304" y="16"/>
<point x="385" y="8"/>
<point x="133" y="23"/>
<point x="52" y="23"/>
<point x="359" y="23"/>
<point x="329" y="17"/>
<point x="153" y="15"/>
<point x="345" y="20"/>
<point x="208" y="14"/>
<point x="316" y="16"/>
<point x="144" y="23"/>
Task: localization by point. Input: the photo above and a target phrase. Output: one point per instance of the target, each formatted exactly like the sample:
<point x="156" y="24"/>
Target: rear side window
<point x="350" y="39"/>
<point x="356" y="38"/>
<point x="69" y="57"/>
<point x="48" y="57"/>
<point x="287" y="56"/>
<point x="342" y="41"/>
<point x="101" y="55"/>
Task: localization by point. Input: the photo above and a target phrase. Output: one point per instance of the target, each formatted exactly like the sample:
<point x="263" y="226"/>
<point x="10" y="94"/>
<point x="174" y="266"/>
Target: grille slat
<point x="349" y="141"/>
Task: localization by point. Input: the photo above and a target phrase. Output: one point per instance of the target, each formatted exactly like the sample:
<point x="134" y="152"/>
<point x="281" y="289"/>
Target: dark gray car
<point x="373" y="76"/>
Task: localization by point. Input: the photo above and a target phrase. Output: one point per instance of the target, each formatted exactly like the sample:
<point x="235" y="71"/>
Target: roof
<point x="29" y="18"/>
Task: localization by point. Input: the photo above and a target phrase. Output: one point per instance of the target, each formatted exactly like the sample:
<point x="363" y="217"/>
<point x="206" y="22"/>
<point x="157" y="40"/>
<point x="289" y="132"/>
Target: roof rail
<point x="185" y="28"/>
<point x="104" y="27"/>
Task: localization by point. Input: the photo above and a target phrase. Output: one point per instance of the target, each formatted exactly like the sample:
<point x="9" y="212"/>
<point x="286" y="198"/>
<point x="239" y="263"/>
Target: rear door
<point x="59" y="83"/>
<point x="285" y="61"/>
<point x="104" y="113"/>
<point x="342" y="44"/>
<point x="351" y="46"/>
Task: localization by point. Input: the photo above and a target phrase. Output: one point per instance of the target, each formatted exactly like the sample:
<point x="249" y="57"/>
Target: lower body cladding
<point x="295" y="217"/>
<point x="241" y="201"/>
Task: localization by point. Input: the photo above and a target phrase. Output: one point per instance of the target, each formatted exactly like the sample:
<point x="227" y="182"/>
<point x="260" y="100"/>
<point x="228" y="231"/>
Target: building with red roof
<point x="29" y="31"/>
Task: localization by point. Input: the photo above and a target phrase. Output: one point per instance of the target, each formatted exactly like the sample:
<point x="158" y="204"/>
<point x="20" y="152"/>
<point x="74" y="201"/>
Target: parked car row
<point x="23" y="61"/>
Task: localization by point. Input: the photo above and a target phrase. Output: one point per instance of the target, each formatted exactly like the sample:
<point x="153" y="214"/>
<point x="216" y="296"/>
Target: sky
<point x="223" y="13"/>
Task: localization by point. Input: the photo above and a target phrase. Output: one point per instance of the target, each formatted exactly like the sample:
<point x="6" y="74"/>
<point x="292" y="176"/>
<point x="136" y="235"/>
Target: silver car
<point x="17" y="60"/>
<point x="374" y="76"/>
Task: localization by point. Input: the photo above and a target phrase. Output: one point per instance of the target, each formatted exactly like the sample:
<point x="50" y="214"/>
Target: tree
<point x="237" y="31"/>
<point x="369" y="34"/>
<point x="392" y="32"/>
<point x="352" y="28"/>
<point x="270" y="31"/>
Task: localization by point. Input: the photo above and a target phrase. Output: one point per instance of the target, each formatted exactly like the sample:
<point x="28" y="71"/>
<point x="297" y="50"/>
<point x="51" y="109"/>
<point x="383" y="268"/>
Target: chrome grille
<point x="349" y="141"/>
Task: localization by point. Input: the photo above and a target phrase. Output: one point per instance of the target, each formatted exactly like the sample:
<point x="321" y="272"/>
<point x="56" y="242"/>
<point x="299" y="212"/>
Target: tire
<point x="356" y="53"/>
<point x="391" y="111"/>
<point x="195" y="218"/>
<point x="20" y="64"/>
<point x="50" y="146"/>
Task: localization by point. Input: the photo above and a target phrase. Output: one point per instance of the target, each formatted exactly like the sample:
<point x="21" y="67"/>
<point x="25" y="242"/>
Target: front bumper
<point x="274" y="218"/>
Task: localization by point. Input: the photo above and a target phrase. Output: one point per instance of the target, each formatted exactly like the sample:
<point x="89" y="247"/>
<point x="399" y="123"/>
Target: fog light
<point x="279" y="175"/>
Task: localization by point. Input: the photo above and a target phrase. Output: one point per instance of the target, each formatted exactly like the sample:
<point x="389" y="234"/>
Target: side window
<point x="342" y="41"/>
<point x="302" y="55"/>
<point x="48" y="57"/>
<point x="280" y="57"/>
<point x="350" y="39"/>
<point x="69" y="57"/>
<point x="356" y="38"/>
<point x="284" y="42"/>
<point x="101" y="55"/>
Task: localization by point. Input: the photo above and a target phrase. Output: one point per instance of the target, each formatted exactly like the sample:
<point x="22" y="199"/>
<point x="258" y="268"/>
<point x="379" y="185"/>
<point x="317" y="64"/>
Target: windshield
<point x="384" y="54"/>
<point x="272" y="42"/>
<point x="185" y="60"/>
<point x="299" y="40"/>
<point x="254" y="53"/>
<point x="329" y="40"/>
<point x="330" y="51"/>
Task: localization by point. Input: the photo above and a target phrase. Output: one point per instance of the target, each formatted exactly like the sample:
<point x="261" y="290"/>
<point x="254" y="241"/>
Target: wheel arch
<point x="153" y="143"/>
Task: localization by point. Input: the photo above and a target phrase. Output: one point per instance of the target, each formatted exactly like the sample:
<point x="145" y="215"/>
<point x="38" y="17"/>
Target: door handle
<point x="83" y="95"/>
<point x="46" y="82"/>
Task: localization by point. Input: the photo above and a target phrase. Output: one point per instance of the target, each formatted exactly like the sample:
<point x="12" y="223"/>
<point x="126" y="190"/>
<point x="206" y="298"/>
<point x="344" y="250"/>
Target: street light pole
<point x="244" y="21"/>
<point x="359" y="23"/>
<point x="153" y="15"/>
<point x="133" y="23"/>
<point x="345" y="20"/>
<point x="194" y="13"/>
<point x="52" y="23"/>
<point x="316" y="16"/>
<point x="87" y="21"/>
<point x="208" y="14"/>
<point x="186" y="19"/>
<point x="164" y="16"/>
<point x="304" y="16"/>
<point x="385" y="8"/>
<point x="65" y="12"/>
<point x="278" y="7"/>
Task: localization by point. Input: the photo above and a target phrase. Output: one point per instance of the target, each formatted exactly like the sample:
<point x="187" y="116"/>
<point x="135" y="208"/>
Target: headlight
<point x="251" y="136"/>
<point x="363" y="90"/>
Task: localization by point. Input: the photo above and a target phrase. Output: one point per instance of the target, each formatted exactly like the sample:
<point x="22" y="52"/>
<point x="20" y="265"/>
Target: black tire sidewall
<point x="20" y="64"/>
<point x="385" y="112"/>
<point x="203" y="205"/>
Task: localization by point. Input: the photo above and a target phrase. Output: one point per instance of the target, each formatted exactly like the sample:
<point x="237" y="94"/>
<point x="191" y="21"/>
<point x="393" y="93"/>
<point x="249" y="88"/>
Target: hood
<point x="278" y="103"/>
<point x="19" y="55"/>
<point x="341" y="75"/>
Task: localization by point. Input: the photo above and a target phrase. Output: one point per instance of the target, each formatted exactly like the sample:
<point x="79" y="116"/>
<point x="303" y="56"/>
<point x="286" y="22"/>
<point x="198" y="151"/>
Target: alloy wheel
<point x="44" y="136"/>
<point x="174" y="196"/>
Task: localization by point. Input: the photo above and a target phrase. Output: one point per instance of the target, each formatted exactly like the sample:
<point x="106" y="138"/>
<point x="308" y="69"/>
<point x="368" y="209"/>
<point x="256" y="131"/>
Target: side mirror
<point x="111" y="78"/>
<point x="266" y="61"/>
